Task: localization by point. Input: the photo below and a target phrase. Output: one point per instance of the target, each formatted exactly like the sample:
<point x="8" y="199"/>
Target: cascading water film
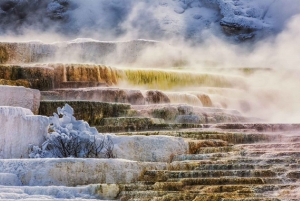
<point x="162" y="100"/>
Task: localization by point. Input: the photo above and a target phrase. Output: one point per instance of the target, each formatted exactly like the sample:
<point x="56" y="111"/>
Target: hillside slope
<point x="188" y="19"/>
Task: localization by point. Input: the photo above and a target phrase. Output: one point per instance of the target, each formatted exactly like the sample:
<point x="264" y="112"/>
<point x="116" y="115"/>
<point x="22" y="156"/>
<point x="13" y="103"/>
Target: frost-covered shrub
<point x="72" y="138"/>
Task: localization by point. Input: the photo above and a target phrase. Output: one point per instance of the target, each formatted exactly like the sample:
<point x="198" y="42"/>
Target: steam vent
<point x="205" y="108"/>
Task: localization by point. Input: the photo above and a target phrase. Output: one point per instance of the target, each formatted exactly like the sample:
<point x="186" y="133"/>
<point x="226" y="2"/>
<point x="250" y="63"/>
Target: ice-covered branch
<point x="72" y="138"/>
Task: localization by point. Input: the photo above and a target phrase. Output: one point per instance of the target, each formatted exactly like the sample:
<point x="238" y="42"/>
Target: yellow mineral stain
<point x="165" y="80"/>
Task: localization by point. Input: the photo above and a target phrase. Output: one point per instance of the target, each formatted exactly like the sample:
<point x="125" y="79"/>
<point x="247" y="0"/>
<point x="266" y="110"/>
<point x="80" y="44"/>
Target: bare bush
<point x="73" y="138"/>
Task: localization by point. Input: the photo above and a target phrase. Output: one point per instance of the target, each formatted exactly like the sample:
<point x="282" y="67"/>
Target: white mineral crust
<point x="19" y="129"/>
<point x="20" y="97"/>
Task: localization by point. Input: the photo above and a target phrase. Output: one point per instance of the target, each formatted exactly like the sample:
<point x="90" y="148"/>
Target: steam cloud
<point x="156" y="19"/>
<point x="192" y="29"/>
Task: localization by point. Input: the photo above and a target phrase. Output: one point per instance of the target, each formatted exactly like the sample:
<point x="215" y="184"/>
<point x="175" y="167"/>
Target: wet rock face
<point x="23" y="83"/>
<point x="205" y="99"/>
<point x="4" y="56"/>
<point x="261" y="127"/>
<point x="67" y="74"/>
<point x="178" y="97"/>
<point x="135" y="97"/>
<point x="48" y="76"/>
<point x="92" y="112"/>
<point x="102" y="94"/>
<point x="187" y="114"/>
<point x="294" y="175"/>
<point x="130" y="124"/>
<point x="156" y="97"/>
<point x="188" y="119"/>
<point x="34" y="77"/>
<point x="94" y="94"/>
<point x="167" y="113"/>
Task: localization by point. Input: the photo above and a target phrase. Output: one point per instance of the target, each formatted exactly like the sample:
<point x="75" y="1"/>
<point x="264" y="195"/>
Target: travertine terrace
<point x="178" y="134"/>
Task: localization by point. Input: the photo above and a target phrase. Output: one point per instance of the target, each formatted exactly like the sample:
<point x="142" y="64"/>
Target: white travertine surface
<point x="19" y="128"/>
<point x="148" y="148"/>
<point x="75" y="171"/>
<point x="20" y="97"/>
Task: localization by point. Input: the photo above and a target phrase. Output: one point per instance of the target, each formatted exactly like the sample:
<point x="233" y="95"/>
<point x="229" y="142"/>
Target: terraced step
<point x="202" y="134"/>
<point x="227" y="166"/>
<point x="210" y="156"/>
<point x="102" y="94"/>
<point x="82" y="84"/>
<point x="251" y="199"/>
<point x="259" y="160"/>
<point x="48" y="193"/>
<point x="156" y="175"/>
<point x="223" y="171"/>
<point x="206" y="150"/>
<point x="221" y="165"/>
<point x="182" y="113"/>
<point x="230" y="181"/>
<point x="273" y="154"/>
<point x="190" y="164"/>
<point x="35" y="77"/>
<point x="246" y="188"/>
<point x="273" y="146"/>
<point x="216" y="164"/>
<point x="118" y="124"/>
<point x="185" y="196"/>
<point x="142" y="124"/>
<point x="260" y="127"/>
<point x="92" y="112"/>
<point x="210" y="192"/>
<point x="140" y="195"/>
<point x="234" y="197"/>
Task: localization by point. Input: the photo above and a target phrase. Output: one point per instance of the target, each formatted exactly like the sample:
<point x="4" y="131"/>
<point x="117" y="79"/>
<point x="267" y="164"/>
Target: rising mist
<point x="196" y="35"/>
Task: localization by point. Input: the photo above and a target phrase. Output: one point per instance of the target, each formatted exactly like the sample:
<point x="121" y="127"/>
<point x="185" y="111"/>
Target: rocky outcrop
<point x="19" y="129"/>
<point x="20" y="97"/>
